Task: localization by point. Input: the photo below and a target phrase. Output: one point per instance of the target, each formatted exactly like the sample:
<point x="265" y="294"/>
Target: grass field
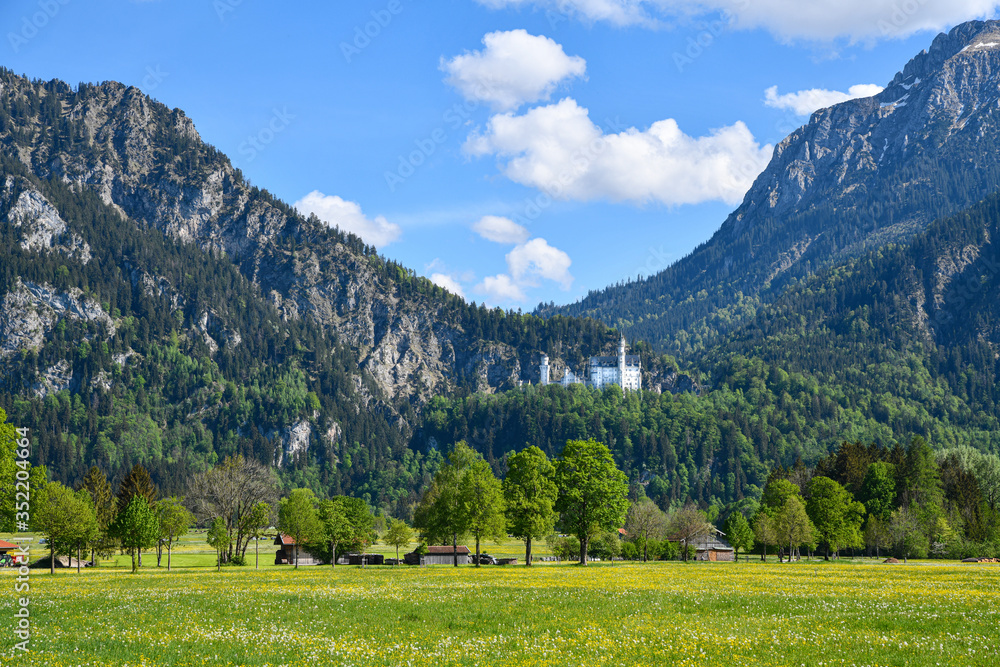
<point x="553" y="614"/>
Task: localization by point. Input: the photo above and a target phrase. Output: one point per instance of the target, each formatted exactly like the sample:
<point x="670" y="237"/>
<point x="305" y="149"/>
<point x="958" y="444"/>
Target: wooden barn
<point x="286" y="554"/>
<point x="365" y="559"/>
<point x="444" y="555"/>
<point x="439" y="555"/>
<point x="713" y="547"/>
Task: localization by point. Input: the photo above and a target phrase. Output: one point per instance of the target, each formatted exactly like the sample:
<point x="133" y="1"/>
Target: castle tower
<point x="621" y="362"/>
<point x="543" y="370"/>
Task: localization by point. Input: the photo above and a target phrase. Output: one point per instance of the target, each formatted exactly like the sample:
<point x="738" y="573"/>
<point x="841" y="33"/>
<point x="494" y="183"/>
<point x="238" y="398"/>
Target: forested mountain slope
<point x="156" y="308"/>
<point x="878" y="350"/>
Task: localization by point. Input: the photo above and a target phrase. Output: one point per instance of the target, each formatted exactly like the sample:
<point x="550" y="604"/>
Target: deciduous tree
<point x="231" y="491"/>
<point x="764" y="531"/>
<point x="645" y="521"/>
<point x="65" y="518"/>
<point x="593" y="492"/>
<point x="835" y="514"/>
<point x="441" y="513"/>
<point x="398" y="534"/>
<point x="12" y="468"/>
<point x="739" y="533"/>
<point x="297" y="518"/>
<point x="136" y="527"/>
<point x="530" y="495"/>
<point x="908" y="534"/>
<point x="482" y="503"/>
<point x="218" y="538"/>
<point x="258" y="520"/>
<point x="877" y="534"/>
<point x="175" y="521"/>
<point x="337" y="528"/>
<point x="792" y="525"/>
<point x="688" y="524"/>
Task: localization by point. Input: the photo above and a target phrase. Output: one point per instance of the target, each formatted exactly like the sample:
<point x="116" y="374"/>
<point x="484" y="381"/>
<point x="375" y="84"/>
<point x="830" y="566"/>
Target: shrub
<point x="567" y="548"/>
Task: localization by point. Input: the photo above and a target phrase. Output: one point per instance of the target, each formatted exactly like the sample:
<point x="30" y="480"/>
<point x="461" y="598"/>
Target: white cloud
<point x="347" y="215"/>
<point x="513" y="69"/>
<point x="527" y="265"/>
<point x="559" y="150"/>
<point x="500" y="230"/>
<point x="804" y="102"/>
<point x="853" y="20"/>
<point x="500" y="288"/>
<point x="536" y="259"/>
<point x="448" y="283"/>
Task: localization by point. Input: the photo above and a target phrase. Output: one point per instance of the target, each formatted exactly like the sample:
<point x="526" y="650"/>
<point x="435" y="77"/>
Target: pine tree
<point x="102" y="495"/>
<point x="137" y="482"/>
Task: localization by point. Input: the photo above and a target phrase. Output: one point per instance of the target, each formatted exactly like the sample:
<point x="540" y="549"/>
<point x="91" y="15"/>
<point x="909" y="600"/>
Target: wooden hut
<point x="289" y="549"/>
<point x="713" y="547"/>
<point x="439" y="555"/>
<point x="365" y="559"/>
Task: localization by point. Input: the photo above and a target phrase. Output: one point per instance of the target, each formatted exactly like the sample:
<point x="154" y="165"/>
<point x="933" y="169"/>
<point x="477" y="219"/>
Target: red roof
<point x="284" y="540"/>
<point x="448" y="551"/>
<point x="7" y="546"/>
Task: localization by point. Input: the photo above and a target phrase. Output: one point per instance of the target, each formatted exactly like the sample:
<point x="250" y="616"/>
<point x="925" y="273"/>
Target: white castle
<point x="624" y="370"/>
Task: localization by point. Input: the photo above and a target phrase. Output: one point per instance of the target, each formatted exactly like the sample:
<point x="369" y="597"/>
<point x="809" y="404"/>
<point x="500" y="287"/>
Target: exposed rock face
<point x="43" y="230"/>
<point x="410" y="347"/>
<point x="139" y="161"/>
<point x="29" y="312"/>
<point x="56" y="378"/>
<point x="938" y="107"/>
<point x="294" y="442"/>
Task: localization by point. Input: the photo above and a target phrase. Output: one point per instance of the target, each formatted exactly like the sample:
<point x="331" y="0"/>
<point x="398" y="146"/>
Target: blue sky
<point x="516" y="151"/>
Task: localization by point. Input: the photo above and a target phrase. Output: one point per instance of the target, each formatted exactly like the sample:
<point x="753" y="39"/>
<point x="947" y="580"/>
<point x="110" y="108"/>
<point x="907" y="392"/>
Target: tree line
<point x="907" y="501"/>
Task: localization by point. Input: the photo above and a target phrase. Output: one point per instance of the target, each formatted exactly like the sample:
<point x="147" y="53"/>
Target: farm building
<point x="713" y="547"/>
<point x="439" y="555"/>
<point x="369" y="559"/>
<point x="286" y="554"/>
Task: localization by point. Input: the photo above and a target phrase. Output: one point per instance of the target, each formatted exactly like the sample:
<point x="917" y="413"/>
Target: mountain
<point x="858" y="176"/>
<point x="898" y="342"/>
<point x="157" y="308"/>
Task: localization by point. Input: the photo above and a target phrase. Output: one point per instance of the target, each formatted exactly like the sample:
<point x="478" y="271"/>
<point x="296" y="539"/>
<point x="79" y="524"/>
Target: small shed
<point x="365" y="559"/>
<point x="288" y="550"/>
<point x="441" y="555"/>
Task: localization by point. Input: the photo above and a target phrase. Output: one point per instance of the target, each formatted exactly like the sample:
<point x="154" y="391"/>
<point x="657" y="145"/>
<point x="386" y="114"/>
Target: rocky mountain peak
<point x="937" y="107"/>
<point x="859" y="175"/>
<point x="973" y="35"/>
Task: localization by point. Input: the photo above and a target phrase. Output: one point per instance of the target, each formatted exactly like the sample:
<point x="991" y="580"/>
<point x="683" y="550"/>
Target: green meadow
<point x="664" y="613"/>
